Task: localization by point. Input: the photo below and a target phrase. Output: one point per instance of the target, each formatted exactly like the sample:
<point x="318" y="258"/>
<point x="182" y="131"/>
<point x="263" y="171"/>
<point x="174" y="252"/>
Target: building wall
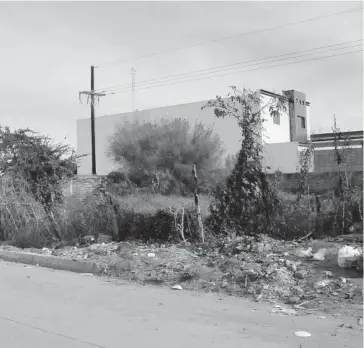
<point x="284" y="157"/>
<point x="105" y="127"/>
<point x="274" y="133"/>
<point x="298" y="116"/>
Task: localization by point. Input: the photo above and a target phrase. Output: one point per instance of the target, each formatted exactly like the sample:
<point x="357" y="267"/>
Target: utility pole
<point x="93" y="145"/>
<point x="92" y="94"/>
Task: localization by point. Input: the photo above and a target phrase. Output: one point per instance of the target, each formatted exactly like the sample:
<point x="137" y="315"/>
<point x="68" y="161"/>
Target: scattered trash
<point x="304" y="253"/>
<point x="291" y="265"/>
<point x="328" y="274"/>
<point x="177" y="287"/>
<point x="87" y="274"/>
<point x="322" y="284"/>
<point x="280" y="310"/>
<point x="258" y="298"/>
<point x="151" y="255"/>
<point x="348" y="256"/>
<point x="302" y="334"/>
<point x="46" y="251"/>
<point x="319" y="255"/>
<point x="360" y="321"/>
<point x="322" y="317"/>
<point x="301" y="274"/>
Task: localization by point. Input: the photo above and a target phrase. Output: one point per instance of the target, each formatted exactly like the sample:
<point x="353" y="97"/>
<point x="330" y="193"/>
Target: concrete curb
<point x="49" y="261"/>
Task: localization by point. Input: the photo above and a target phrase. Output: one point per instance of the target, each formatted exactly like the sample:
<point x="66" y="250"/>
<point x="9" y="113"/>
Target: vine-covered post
<point x="197" y="204"/>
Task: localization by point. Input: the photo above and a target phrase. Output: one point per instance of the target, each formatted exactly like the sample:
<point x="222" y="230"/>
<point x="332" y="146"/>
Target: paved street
<point x="42" y="308"/>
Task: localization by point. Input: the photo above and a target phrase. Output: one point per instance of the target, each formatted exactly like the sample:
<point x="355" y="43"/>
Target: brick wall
<point x="319" y="182"/>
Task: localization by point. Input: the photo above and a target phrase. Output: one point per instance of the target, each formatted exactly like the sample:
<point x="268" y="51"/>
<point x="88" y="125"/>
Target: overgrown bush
<point x="23" y="220"/>
<point x="37" y="167"/>
<point x="151" y="151"/>
<point x="247" y="204"/>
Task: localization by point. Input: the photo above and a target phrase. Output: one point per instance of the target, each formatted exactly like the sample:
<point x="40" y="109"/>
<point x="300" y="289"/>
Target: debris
<point x="348" y="256"/>
<point x="360" y="321"/>
<point x="342" y="280"/>
<point x="258" y="298"/>
<point x="291" y="265"/>
<point x="151" y="255"/>
<point x="304" y="253"/>
<point x="104" y="238"/>
<point x="322" y="284"/>
<point x="319" y="255"/>
<point x="328" y="274"/>
<point x="46" y="251"/>
<point x="177" y="287"/>
<point x="302" y="334"/>
<point x="87" y="274"/>
<point x="280" y="310"/>
<point x="301" y="274"/>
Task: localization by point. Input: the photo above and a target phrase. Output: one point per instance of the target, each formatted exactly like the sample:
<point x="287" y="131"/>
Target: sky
<point x="47" y="49"/>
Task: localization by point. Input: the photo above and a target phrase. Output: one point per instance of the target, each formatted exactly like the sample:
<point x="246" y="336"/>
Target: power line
<point x="236" y="72"/>
<point x="228" y="37"/>
<point x="232" y="66"/>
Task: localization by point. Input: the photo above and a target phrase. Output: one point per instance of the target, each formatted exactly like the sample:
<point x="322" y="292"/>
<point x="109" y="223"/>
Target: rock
<point x="301" y="274"/>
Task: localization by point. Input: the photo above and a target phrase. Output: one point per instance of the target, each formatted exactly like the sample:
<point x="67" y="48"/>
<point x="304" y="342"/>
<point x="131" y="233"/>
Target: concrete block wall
<point x="319" y="182"/>
<point x="81" y="184"/>
<point x="325" y="160"/>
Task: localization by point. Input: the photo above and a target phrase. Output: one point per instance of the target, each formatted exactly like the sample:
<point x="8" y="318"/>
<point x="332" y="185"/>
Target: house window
<point x="277" y="118"/>
<point x="302" y="121"/>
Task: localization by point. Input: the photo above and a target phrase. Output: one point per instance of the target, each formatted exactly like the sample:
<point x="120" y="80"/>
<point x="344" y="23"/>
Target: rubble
<point x="298" y="274"/>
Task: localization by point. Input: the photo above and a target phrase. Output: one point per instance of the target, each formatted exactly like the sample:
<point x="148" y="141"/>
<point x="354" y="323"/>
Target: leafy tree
<point x="168" y="146"/>
<point x="39" y="163"/>
<point x="247" y="203"/>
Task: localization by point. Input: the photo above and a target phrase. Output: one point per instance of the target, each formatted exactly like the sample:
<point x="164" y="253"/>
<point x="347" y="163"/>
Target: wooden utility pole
<point x="93" y="145"/>
<point x="92" y="94"/>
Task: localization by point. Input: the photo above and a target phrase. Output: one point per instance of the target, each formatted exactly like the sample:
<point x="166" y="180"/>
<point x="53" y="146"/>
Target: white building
<point x="283" y="137"/>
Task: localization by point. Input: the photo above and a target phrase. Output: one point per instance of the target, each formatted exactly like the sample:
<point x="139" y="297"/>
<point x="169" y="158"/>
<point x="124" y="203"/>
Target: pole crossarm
<point x="96" y="94"/>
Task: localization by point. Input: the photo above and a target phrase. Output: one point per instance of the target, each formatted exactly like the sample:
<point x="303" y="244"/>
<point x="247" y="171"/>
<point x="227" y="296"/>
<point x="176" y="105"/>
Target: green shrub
<point x="167" y="149"/>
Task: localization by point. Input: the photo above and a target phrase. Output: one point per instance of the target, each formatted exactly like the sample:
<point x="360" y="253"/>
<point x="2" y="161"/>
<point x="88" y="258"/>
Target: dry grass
<point x="150" y="204"/>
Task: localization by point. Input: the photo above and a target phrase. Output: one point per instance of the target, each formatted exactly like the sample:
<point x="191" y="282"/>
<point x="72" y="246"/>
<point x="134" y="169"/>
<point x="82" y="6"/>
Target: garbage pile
<point x="301" y="274"/>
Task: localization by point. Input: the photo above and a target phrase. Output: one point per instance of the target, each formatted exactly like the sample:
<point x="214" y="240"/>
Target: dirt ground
<point x="264" y="270"/>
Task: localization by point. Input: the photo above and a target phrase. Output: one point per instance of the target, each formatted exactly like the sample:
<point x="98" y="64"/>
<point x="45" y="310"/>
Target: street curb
<point x="50" y="261"/>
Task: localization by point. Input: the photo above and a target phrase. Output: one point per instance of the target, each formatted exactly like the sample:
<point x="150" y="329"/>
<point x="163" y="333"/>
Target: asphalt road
<point x="43" y="308"/>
